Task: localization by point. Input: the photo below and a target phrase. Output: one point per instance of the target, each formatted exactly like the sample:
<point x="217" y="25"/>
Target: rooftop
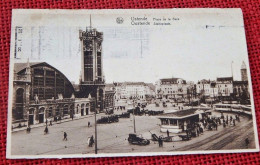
<point x="182" y="113"/>
<point x="225" y="79"/>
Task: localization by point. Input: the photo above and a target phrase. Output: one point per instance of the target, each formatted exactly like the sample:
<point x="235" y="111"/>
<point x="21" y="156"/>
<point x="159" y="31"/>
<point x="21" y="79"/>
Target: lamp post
<point x="134" y="100"/>
<point x="95" y="130"/>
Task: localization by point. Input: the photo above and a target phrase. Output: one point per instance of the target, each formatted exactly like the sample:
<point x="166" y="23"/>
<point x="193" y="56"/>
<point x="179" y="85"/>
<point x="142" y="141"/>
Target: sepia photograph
<point x="136" y="82"/>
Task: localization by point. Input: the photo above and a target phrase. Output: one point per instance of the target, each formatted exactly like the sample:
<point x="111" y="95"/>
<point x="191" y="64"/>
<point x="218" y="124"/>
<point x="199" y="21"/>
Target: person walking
<point x="160" y="141"/>
<point x="168" y="133"/>
<point x="28" y="130"/>
<point x="65" y="136"/>
<point x="91" y="141"/>
<point x="50" y="122"/>
<point x="88" y="124"/>
<point x="247" y="142"/>
<point x="46" y="130"/>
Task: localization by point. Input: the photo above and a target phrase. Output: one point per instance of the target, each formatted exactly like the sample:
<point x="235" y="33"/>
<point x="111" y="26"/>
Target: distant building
<point x="130" y="90"/>
<point x="171" y="88"/>
<point x="109" y="101"/>
<point x="244" y="72"/>
<point x="240" y="88"/>
<point x="207" y="88"/>
<point x="225" y="86"/>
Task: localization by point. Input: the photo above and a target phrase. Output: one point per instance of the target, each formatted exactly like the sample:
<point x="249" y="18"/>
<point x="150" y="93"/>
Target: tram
<point x="244" y="109"/>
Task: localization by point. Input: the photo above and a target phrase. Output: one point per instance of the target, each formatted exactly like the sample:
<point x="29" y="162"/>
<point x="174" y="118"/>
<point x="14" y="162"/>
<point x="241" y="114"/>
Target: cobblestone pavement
<point x="112" y="138"/>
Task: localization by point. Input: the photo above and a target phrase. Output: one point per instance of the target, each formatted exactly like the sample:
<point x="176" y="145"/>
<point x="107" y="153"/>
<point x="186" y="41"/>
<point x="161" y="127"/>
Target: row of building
<point x="222" y="87"/>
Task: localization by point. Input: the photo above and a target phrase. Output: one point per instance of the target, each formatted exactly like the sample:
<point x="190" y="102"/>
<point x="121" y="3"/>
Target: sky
<point x="192" y="51"/>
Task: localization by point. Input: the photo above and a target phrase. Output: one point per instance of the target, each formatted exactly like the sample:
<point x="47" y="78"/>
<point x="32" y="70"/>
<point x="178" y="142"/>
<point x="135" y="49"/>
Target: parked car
<point x="124" y="115"/>
<point x="137" y="140"/>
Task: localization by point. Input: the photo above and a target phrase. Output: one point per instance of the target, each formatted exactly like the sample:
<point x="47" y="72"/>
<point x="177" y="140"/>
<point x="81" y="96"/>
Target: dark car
<point x="134" y="139"/>
<point x="124" y="115"/>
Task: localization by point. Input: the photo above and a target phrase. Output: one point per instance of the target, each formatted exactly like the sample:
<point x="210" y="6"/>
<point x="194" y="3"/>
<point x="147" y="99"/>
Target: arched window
<point x="19" y="95"/>
<point x="57" y="111"/>
<point x="65" y="109"/>
<point x="19" y="103"/>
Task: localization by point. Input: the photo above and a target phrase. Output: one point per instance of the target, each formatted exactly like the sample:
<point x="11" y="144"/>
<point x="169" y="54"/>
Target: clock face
<point x="87" y="46"/>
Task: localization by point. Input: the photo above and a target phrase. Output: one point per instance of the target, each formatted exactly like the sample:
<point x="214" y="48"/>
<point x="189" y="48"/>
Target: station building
<point x="41" y="92"/>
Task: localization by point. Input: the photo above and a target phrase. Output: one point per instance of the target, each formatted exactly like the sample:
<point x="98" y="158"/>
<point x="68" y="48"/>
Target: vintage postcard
<point x="101" y="83"/>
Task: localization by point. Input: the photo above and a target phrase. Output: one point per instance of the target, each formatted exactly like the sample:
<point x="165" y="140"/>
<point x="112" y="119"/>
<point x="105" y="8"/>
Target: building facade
<point x="109" y="101"/>
<point x="207" y="88"/>
<point x="42" y="92"/>
<point x="133" y="90"/>
<point x="171" y="88"/>
<point x="225" y="86"/>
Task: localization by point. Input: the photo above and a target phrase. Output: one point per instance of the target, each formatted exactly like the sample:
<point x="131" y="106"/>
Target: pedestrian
<point x="160" y="141"/>
<point x="65" y="136"/>
<point x="46" y="122"/>
<point x="168" y="133"/>
<point x="88" y="124"/>
<point x="28" y="129"/>
<point x="91" y="141"/>
<point x="234" y="123"/>
<point x="72" y="116"/>
<point x="247" y="142"/>
<point x="50" y="122"/>
<point x="46" y="130"/>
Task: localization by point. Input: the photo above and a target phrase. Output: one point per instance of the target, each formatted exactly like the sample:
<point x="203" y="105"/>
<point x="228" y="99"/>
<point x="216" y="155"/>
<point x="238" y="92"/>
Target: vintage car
<point x="108" y="119"/>
<point x="138" y="140"/>
<point x="124" y="115"/>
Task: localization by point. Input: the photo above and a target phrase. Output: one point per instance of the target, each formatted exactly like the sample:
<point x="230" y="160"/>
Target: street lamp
<point x="95" y="130"/>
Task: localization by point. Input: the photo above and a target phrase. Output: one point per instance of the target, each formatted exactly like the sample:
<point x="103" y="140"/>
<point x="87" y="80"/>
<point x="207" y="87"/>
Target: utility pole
<point x="95" y="130"/>
<point x="134" y="111"/>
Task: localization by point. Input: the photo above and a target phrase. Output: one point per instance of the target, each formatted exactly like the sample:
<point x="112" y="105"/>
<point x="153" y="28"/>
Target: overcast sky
<point x="190" y="51"/>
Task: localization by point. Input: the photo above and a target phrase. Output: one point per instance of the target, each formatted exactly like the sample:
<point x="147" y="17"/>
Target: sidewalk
<point x="53" y="123"/>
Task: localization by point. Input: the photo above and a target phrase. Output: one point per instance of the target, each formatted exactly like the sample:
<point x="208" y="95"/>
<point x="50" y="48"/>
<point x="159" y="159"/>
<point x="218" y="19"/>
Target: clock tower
<point x="92" y="79"/>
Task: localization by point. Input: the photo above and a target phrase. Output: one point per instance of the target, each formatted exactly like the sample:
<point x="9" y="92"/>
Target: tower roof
<point x="243" y="66"/>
